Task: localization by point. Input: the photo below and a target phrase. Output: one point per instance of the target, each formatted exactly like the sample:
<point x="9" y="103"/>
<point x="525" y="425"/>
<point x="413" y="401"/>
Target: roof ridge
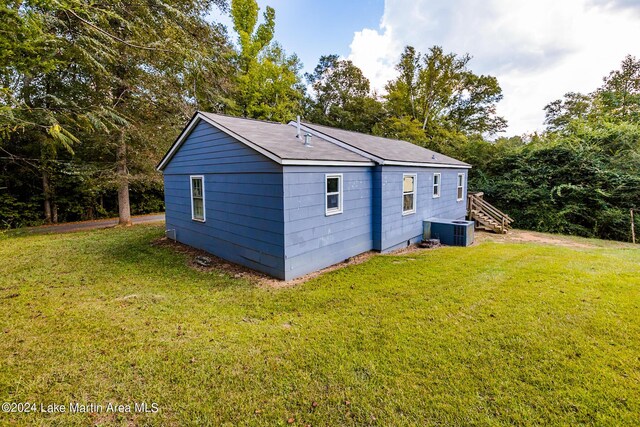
<point x="440" y="158"/>
<point x="242" y="118"/>
<point x="365" y="134"/>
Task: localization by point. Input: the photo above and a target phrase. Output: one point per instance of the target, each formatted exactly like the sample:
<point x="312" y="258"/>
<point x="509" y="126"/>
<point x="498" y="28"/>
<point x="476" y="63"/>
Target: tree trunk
<point x="46" y="190"/>
<point x="124" y="209"/>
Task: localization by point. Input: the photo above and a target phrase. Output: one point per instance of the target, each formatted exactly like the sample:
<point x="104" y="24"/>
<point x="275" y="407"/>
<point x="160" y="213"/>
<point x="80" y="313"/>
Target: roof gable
<point x="276" y="141"/>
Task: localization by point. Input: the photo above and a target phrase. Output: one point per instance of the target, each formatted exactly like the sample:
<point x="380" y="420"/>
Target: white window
<point x="197" y="198"/>
<point x="333" y="194"/>
<point x="408" y="194"/>
<point x="436" y="185"/>
<point x="460" y="192"/>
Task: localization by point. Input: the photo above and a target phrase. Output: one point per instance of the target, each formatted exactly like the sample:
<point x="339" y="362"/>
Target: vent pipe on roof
<point x="298" y="123"/>
<point x="307" y="136"/>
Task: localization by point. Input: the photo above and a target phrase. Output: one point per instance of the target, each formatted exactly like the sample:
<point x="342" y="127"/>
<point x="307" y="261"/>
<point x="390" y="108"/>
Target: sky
<point x="539" y="50"/>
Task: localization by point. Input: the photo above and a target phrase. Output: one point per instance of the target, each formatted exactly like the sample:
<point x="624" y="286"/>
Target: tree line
<point x="93" y="93"/>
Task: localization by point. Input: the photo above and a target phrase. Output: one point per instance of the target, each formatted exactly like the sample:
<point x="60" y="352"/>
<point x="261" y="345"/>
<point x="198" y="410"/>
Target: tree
<point x="616" y="101"/>
<point x="579" y="177"/>
<point x="620" y="94"/>
<point x="49" y="93"/>
<point x="440" y="92"/>
<point x="561" y="112"/>
<point x="268" y="81"/>
<point x="342" y="96"/>
<point x="114" y="76"/>
<point x="404" y="128"/>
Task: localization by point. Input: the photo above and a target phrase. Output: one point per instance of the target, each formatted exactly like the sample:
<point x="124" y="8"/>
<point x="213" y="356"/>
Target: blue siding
<point x="396" y="229"/>
<point x="208" y="150"/>
<point x="243" y="200"/>
<point x="314" y="240"/>
<point x="272" y="218"/>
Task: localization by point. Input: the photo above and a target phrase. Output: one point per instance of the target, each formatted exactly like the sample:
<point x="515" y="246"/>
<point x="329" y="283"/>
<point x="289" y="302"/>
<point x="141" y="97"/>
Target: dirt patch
<point x="217" y="264"/>
<point x="524" y="236"/>
<point x="240" y="272"/>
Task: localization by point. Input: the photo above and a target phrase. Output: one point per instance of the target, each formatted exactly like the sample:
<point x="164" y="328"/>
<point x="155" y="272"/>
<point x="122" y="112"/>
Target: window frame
<point x="414" y="192"/>
<point x="204" y="210"/>
<point x="435" y="186"/>
<point x="460" y="187"/>
<point x="333" y="211"/>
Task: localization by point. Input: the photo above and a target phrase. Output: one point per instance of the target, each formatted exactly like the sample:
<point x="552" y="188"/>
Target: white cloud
<point x="537" y="50"/>
<point x="375" y="53"/>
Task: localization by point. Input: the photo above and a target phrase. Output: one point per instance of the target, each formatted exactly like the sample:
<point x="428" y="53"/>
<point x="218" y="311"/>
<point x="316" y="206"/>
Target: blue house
<point x="289" y="199"/>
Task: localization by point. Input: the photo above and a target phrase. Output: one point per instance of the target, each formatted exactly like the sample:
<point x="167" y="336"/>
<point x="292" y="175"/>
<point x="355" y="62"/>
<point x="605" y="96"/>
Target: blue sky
<point x="314" y="28"/>
<point x="539" y="50"/>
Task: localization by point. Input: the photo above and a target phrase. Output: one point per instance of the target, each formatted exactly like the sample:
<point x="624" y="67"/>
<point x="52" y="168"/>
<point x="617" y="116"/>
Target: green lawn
<point x="496" y="334"/>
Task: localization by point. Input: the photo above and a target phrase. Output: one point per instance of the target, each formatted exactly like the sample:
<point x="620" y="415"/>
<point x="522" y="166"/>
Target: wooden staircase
<point x="487" y="216"/>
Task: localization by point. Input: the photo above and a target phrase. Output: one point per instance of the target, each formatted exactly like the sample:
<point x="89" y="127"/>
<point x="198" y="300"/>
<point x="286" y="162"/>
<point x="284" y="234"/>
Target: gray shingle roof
<point x="385" y="148"/>
<point x="280" y="140"/>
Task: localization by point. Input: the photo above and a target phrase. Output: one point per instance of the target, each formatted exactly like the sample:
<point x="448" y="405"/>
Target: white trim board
<point x="324" y="163"/>
<point x="340" y="209"/>
<point x="426" y="165"/>
<point x="204" y="207"/>
<point x="414" y="192"/>
<point x="460" y="185"/>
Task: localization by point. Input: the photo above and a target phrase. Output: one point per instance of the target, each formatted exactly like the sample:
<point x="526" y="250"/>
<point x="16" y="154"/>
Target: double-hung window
<point x="197" y="198"/>
<point x="460" y="190"/>
<point x="408" y="194"/>
<point x="436" y="185"/>
<point x="333" y="194"/>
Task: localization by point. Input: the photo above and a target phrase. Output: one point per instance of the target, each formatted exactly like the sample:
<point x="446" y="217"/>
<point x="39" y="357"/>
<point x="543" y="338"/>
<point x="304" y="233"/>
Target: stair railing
<point x="477" y="205"/>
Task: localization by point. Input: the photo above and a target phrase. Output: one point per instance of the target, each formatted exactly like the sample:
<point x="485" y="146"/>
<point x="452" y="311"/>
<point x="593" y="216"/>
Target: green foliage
<point x="439" y="91"/>
<point x="80" y="81"/>
<point x="617" y="101"/>
<point x="620" y="94"/>
<point x="271" y="88"/>
<point x="583" y="184"/>
<point x="560" y="113"/>
<point x="580" y="177"/>
<point x="404" y="128"/>
<point x="342" y="96"/>
<point x="245" y="18"/>
<point x="268" y="84"/>
<point x="15" y="213"/>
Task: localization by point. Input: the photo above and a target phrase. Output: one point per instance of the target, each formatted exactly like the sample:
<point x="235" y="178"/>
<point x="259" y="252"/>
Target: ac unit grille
<point x="459" y="234"/>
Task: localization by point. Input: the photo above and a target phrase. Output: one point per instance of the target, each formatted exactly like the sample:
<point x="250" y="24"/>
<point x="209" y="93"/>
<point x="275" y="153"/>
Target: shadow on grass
<point x="144" y="249"/>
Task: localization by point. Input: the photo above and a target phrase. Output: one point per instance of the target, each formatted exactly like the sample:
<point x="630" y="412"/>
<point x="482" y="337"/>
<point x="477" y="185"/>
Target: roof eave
<point x="304" y="162"/>
<point x="427" y="165"/>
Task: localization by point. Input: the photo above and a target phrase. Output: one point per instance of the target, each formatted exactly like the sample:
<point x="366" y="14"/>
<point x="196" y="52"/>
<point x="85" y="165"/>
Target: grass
<point x="495" y="334"/>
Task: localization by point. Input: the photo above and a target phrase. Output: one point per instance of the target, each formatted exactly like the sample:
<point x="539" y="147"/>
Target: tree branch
<point x="114" y="37"/>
